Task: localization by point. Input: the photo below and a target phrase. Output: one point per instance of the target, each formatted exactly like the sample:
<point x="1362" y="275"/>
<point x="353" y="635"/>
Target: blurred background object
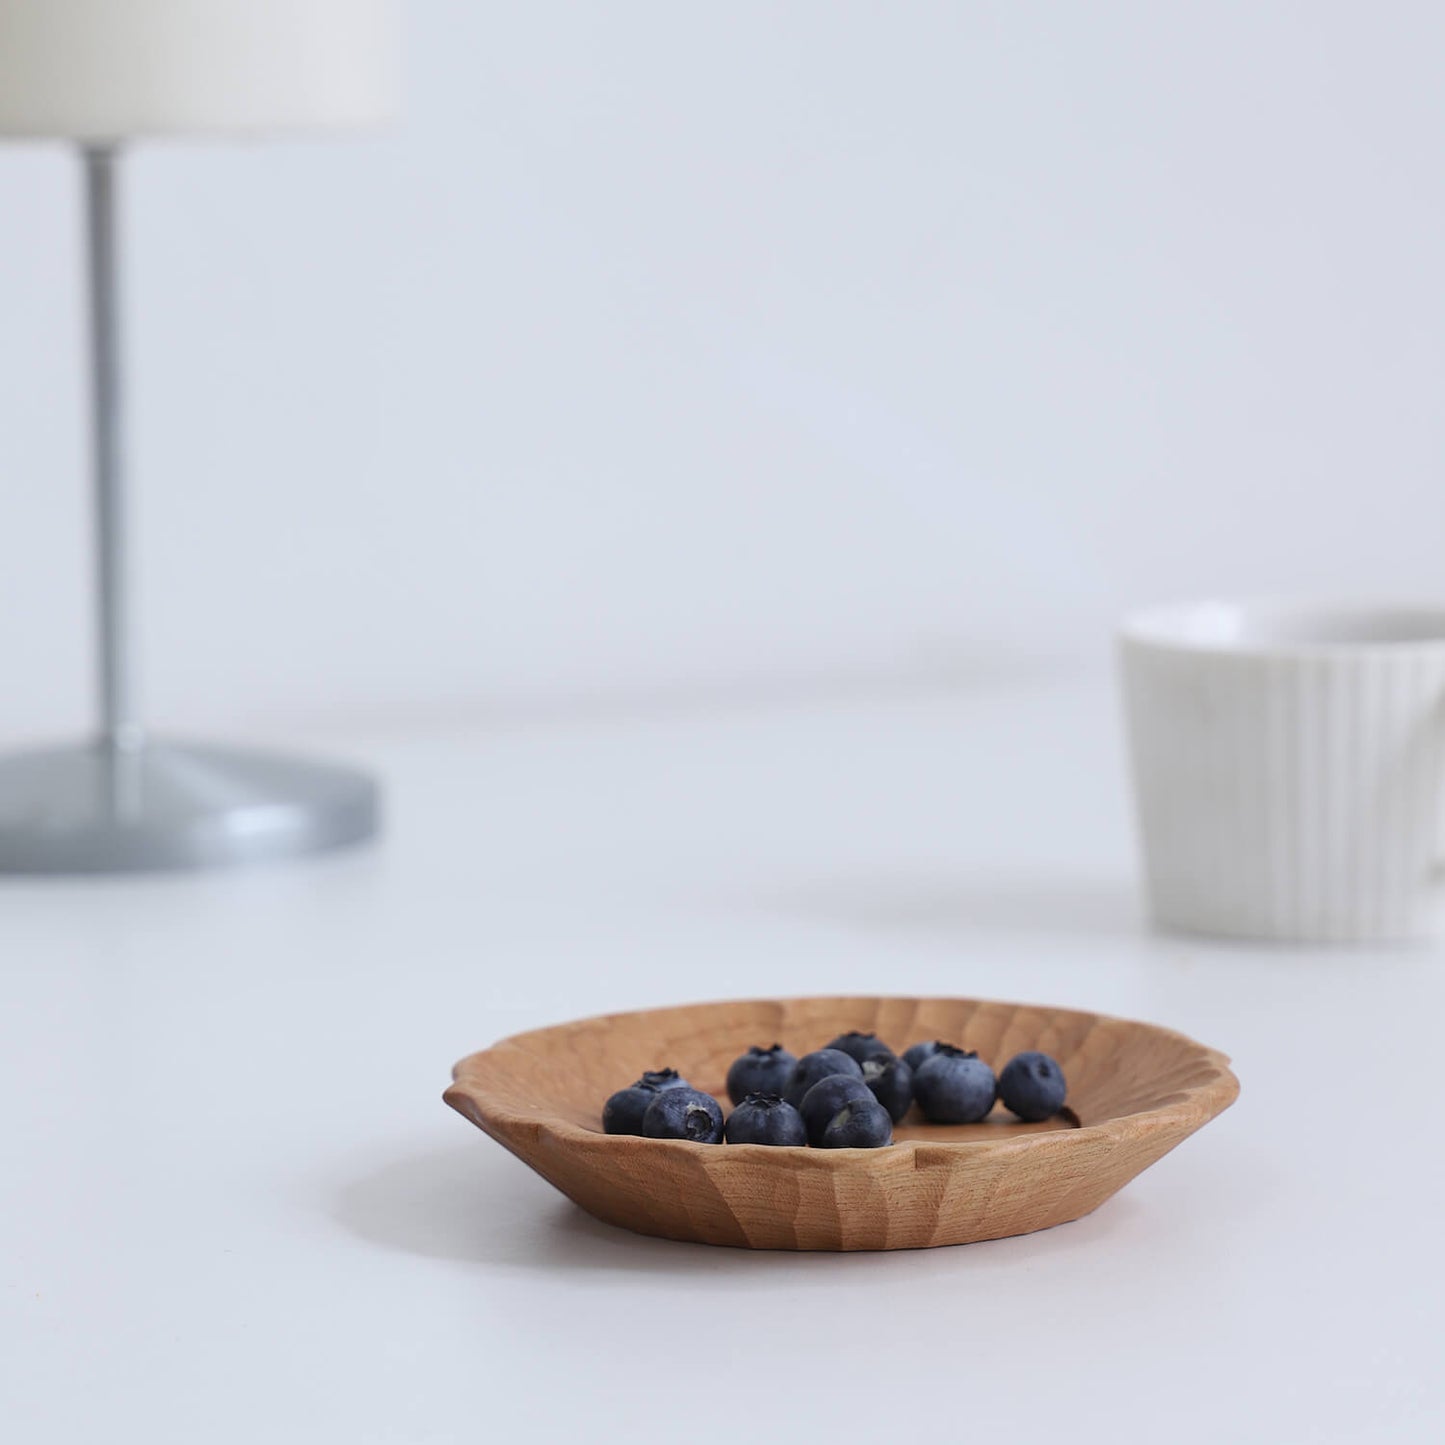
<point x="1288" y="764"/>
<point x="101" y="75"/>
<point x="682" y="351"/>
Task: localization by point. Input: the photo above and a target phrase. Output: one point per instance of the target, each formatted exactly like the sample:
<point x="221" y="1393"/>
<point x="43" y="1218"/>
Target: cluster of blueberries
<point x="848" y="1095"/>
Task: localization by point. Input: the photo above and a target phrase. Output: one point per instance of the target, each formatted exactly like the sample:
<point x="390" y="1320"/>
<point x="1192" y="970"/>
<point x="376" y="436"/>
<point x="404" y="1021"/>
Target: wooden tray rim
<point x="1195" y="1106"/>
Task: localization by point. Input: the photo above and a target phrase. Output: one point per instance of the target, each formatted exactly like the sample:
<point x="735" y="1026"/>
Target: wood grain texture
<point x="1137" y="1091"/>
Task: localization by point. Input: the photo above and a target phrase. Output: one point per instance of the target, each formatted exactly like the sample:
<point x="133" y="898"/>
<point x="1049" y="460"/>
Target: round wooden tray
<point x="1135" y="1091"/>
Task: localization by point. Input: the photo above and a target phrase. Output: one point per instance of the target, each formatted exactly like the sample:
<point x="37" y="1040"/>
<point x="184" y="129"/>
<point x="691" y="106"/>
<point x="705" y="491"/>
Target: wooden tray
<point x="1135" y="1091"/>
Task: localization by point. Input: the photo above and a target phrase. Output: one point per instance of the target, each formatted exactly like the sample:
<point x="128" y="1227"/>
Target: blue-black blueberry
<point x="826" y="1098"/>
<point x="760" y="1071"/>
<point x="861" y="1124"/>
<point x="892" y="1083"/>
<point x="622" y="1113"/>
<point x="818" y="1065"/>
<point x="765" y="1119"/>
<point x="955" y="1086"/>
<point x="919" y="1054"/>
<point x="1032" y="1086"/>
<point x="684" y="1114"/>
<point x="860" y="1046"/>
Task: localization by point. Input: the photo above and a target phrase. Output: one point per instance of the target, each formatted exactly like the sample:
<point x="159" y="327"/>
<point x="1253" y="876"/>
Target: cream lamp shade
<point x="105" y="70"/>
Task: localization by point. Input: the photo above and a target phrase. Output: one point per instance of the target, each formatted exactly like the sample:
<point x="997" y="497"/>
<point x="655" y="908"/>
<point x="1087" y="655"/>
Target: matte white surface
<point x="110" y="69"/>
<point x="1289" y="766"/>
<point x="235" y="1209"/>
<point x="679" y="345"/>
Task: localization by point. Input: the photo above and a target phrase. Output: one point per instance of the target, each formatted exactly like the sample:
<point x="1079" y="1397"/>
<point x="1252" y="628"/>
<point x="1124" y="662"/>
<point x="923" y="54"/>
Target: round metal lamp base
<point x="92" y="809"/>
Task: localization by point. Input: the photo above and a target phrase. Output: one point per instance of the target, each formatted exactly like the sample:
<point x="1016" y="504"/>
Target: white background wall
<point x="667" y="347"/>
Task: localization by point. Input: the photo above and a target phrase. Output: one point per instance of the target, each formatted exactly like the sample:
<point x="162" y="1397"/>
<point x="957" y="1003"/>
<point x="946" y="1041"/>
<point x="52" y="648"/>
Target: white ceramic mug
<point x="1289" y="763"/>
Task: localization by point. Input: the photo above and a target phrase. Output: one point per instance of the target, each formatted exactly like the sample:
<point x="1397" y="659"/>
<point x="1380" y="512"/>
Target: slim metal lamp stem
<point x="119" y="729"/>
<point x="123" y="802"/>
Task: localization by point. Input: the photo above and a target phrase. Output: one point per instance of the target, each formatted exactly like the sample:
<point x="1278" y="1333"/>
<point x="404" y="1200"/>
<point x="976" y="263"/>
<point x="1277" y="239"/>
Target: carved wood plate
<point x="1135" y="1091"/>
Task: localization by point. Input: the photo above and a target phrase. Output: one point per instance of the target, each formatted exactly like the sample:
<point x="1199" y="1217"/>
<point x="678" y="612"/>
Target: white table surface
<point x="233" y="1207"/>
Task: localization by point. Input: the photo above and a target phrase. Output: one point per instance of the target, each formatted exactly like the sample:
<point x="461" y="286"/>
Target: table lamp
<point x="100" y="73"/>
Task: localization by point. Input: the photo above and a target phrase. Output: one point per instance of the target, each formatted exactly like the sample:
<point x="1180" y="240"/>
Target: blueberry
<point x="1032" y="1086"/>
<point x="760" y="1071"/>
<point x="765" y="1119"/>
<point x="919" y="1054"/>
<point x="860" y="1046"/>
<point x="622" y="1113"/>
<point x="862" y="1124"/>
<point x="892" y="1083"/>
<point x="826" y="1098"/>
<point x="955" y="1086"/>
<point x="684" y="1114"/>
<point x="812" y="1067"/>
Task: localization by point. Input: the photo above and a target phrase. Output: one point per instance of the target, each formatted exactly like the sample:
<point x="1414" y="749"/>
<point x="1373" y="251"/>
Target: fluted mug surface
<point x="1288" y="764"/>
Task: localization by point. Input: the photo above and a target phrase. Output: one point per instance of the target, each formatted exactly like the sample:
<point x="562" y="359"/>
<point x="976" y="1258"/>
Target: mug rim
<point x="1286" y="627"/>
